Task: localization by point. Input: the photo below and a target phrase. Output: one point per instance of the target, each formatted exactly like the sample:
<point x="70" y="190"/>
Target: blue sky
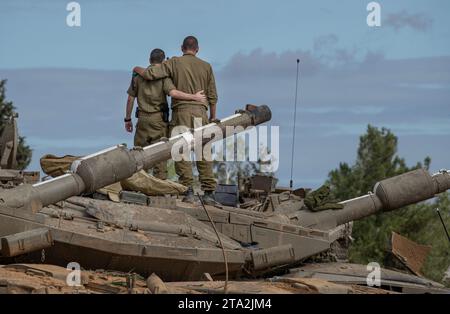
<point x="117" y="34"/>
<point x="69" y="83"/>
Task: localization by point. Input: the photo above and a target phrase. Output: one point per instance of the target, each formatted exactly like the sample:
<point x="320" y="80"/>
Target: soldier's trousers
<point x="149" y="129"/>
<point x="184" y="116"/>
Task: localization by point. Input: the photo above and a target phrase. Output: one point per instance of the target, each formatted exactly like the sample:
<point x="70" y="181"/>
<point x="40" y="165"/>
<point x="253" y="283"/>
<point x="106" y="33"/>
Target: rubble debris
<point x="50" y="279"/>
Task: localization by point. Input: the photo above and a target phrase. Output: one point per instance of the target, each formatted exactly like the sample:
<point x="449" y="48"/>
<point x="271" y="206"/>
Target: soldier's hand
<point x="200" y="96"/>
<point x="129" y="126"/>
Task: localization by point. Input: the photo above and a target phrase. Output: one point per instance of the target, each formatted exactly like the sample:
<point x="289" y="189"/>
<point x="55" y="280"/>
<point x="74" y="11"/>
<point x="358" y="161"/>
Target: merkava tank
<point x="57" y="222"/>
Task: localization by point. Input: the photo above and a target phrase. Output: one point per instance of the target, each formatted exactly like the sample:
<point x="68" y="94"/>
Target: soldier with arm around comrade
<point x="153" y="110"/>
<point x="189" y="74"/>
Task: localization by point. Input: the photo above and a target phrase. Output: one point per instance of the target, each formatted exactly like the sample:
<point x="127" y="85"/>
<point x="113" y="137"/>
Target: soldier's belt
<point x="148" y="114"/>
<point x="186" y="107"/>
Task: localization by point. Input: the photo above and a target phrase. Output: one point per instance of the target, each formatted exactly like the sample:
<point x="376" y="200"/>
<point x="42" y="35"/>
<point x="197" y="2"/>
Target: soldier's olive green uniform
<point x="190" y="75"/>
<point x="152" y="101"/>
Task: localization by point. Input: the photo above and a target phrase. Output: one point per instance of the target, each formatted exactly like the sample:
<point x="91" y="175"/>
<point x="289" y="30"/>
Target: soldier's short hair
<point x="157" y="56"/>
<point x="190" y="43"/>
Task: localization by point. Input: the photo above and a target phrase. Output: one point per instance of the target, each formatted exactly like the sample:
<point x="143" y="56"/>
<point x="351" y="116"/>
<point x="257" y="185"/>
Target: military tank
<point x="58" y="221"/>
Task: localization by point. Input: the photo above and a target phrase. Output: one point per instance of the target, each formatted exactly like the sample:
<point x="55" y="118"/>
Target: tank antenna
<point x="295" y="120"/>
<point x="443" y="224"/>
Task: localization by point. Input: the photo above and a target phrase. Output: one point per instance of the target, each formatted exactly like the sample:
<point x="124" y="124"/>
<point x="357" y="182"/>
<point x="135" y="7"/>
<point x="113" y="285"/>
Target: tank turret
<point x="291" y="232"/>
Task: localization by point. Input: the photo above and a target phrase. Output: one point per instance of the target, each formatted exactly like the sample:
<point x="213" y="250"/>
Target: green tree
<point x="7" y="110"/>
<point x="377" y="159"/>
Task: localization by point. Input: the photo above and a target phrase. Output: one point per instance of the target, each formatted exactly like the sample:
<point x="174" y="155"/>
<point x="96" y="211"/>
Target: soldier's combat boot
<point x="209" y="199"/>
<point x="189" y="196"/>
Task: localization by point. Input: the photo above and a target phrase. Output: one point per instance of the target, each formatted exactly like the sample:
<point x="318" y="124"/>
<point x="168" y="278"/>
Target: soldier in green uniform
<point x="153" y="110"/>
<point x="189" y="74"/>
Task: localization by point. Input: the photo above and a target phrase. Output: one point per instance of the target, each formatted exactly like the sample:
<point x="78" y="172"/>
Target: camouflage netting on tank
<point x="143" y="182"/>
<point x="321" y="199"/>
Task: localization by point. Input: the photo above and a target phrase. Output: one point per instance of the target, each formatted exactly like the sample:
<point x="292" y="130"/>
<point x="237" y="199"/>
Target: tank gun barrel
<point x="114" y="164"/>
<point x="389" y="194"/>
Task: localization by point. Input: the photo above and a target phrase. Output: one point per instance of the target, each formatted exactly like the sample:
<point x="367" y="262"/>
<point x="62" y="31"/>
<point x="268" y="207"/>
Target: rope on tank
<point x="225" y="288"/>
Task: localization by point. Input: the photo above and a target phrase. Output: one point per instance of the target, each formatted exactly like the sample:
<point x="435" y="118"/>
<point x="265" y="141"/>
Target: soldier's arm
<point x="199" y="96"/>
<point x="170" y="89"/>
<point x="212" y="95"/>
<point x="155" y="72"/>
<point x="129" y="110"/>
<point x="132" y="92"/>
